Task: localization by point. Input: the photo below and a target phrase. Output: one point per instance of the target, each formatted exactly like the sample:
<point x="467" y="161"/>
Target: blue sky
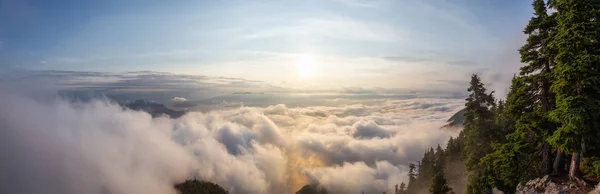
<point x="364" y="43"/>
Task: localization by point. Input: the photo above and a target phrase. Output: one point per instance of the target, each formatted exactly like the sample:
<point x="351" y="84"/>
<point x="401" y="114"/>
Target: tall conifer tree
<point x="577" y="78"/>
<point x="480" y="131"/>
<point x="537" y="72"/>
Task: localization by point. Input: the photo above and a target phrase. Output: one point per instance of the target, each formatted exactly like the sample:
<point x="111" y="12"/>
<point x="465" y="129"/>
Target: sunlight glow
<point x="307" y="65"/>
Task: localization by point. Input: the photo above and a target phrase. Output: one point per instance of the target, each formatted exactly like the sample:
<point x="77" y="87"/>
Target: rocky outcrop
<point x="596" y="190"/>
<point x="540" y="185"/>
<point x="547" y="185"/>
<point x="496" y="191"/>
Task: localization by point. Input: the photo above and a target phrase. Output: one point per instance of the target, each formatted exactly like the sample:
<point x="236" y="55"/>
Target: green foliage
<point x="512" y="162"/>
<point x="524" y="118"/>
<point x="439" y="185"/>
<point x="479" y="124"/>
<point x="591" y="166"/>
<point x="430" y="171"/>
<point x="516" y="159"/>
<point x="478" y="183"/>
<point x="577" y="76"/>
<point x="554" y="100"/>
<point x="199" y="187"/>
<point x="481" y="131"/>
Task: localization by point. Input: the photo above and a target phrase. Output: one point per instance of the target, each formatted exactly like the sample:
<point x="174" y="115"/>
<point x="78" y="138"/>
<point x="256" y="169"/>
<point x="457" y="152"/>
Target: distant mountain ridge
<point x="457" y="120"/>
<point x="312" y="189"/>
<point x="153" y="108"/>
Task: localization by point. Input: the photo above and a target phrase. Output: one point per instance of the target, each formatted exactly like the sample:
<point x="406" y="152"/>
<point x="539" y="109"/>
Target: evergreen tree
<point x="439" y="184"/>
<point x="514" y="161"/>
<point x="402" y="189"/>
<point x="440" y="157"/>
<point x="412" y="178"/>
<point x="577" y="78"/>
<point x="426" y="168"/>
<point x="479" y="127"/>
<point x="537" y="73"/>
<point x="454" y="149"/>
<point x="480" y="131"/>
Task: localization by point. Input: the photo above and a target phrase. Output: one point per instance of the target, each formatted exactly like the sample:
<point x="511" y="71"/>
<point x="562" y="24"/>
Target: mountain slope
<point x="456" y="120"/>
<point x="153" y="108"/>
<point x="311" y="189"/>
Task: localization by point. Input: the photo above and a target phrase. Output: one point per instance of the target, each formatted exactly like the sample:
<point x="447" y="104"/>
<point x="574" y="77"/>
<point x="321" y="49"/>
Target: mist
<point x="54" y="145"/>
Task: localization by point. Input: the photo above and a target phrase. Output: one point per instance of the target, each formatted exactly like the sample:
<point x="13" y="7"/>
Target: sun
<point x="306" y="65"/>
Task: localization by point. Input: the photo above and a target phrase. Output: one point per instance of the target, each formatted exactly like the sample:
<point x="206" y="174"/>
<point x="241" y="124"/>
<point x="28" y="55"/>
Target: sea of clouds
<point x="54" y="145"/>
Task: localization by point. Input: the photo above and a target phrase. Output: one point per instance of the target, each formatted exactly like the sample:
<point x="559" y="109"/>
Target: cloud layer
<point x="50" y="145"/>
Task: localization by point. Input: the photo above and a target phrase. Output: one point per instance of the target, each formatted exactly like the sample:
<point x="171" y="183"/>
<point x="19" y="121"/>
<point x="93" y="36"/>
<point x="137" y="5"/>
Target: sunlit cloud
<point x="179" y="99"/>
<point x="274" y="149"/>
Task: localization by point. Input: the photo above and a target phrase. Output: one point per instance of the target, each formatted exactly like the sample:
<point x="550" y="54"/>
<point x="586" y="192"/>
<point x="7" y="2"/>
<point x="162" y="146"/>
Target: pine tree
<point x="480" y="131"/>
<point x="439" y="184"/>
<point x="440" y="155"/>
<point x="577" y="78"/>
<point x="412" y="178"/>
<point x="514" y="161"/>
<point x="478" y="122"/>
<point x="538" y="57"/>
<point x="402" y="189"/>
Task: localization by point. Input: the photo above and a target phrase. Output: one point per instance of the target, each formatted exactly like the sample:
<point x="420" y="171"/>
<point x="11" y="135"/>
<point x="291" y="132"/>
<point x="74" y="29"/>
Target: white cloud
<point x="369" y="129"/>
<point x="179" y="99"/>
<point x="358" y="177"/>
<point x="97" y="147"/>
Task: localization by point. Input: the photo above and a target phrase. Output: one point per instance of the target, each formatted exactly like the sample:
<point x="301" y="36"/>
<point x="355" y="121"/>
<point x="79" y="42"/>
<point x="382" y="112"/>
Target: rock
<point x="520" y="187"/>
<point x="552" y="188"/>
<point x="496" y="191"/>
<point x="540" y="185"/>
<point x="596" y="190"/>
<point x="531" y="182"/>
<point x="554" y="191"/>
<point x="545" y="179"/>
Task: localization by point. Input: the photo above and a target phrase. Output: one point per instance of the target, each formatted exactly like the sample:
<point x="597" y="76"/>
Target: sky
<point x="278" y="94"/>
<point x="301" y="44"/>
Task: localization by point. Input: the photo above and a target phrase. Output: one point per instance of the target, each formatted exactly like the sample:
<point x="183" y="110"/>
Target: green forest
<point x="549" y="123"/>
<point x="199" y="187"/>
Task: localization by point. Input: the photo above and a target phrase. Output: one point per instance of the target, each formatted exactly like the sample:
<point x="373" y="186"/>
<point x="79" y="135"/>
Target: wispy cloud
<point x="66" y="60"/>
<point x="360" y="3"/>
<point x="463" y="63"/>
<point x="338" y="28"/>
<point x="173" y="53"/>
<point x="407" y="58"/>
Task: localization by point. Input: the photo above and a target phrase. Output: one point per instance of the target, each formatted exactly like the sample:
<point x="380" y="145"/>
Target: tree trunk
<point x="574" y="172"/>
<point x="559" y="166"/>
<point x="546" y="158"/>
